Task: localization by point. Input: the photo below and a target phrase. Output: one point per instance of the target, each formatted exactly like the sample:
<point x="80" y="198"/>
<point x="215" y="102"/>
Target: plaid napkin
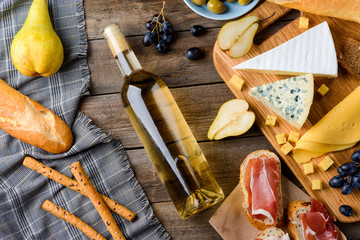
<point x="22" y="191"/>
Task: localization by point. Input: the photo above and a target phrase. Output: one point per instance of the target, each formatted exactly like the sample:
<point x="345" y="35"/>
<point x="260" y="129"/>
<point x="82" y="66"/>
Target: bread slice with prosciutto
<point x="310" y="221"/>
<point x="260" y="180"/>
<point x="272" y="233"/>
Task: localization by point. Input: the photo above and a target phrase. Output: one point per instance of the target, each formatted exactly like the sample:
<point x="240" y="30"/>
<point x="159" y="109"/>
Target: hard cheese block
<point x="290" y="98"/>
<point x="310" y="52"/>
<point x="338" y="130"/>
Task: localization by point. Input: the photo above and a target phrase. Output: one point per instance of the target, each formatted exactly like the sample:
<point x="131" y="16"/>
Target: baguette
<point x="28" y="121"/>
<point x="272" y="233"/>
<point x="343" y="9"/>
<point x="262" y="224"/>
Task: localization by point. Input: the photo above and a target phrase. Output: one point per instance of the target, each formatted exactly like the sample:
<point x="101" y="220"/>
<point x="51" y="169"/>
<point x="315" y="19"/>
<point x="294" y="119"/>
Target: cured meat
<point x="261" y="179"/>
<point x="318" y="224"/>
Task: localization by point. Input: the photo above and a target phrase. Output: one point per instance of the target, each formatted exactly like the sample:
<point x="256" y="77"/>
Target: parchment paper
<point x="232" y="224"/>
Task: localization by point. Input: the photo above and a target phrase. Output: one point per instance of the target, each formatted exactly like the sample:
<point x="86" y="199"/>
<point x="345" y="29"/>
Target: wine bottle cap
<point x="116" y="39"/>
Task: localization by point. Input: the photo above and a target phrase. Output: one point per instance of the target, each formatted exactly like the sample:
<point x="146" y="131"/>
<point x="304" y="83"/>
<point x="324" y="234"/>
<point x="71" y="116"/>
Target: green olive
<point x="199" y="2"/>
<point x="216" y="6"/>
<point x="244" y="2"/>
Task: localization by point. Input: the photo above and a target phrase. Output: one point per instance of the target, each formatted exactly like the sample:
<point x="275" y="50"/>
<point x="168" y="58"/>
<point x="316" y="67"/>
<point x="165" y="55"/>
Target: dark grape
<point x="154" y="37"/>
<point x="355" y="180"/>
<point x="150" y="25"/>
<point x="167" y="27"/>
<point x="197" y="30"/>
<point x="147" y="41"/>
<point x="168" y="37"/>
<point x="162" y="46"/>
<point x="337" y="181"/>
<point x="356" y="156"/>
<point x="340" y="171"/>
<point x="347" y="188"/>
<point x="194" y="53"/>
<point x="346" y="210"/>
<point x="349" y="168"/>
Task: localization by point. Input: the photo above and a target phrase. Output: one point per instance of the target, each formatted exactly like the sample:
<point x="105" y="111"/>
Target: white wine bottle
<point x="163" y="131"/>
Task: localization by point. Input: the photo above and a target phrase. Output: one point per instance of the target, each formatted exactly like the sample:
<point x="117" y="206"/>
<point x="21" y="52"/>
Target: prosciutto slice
<point x="318" y="224"/>
<point x="261" y="180"/>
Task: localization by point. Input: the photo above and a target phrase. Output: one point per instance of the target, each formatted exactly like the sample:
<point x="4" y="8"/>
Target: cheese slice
<point x="339" y="129"/>
<point x="310" y="52"/>
<point x="290" y="98"/>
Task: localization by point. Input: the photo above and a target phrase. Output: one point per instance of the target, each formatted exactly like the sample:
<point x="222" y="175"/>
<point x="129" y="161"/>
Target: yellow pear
<point x="233" y="119"/>
<point x="37" y="49"/>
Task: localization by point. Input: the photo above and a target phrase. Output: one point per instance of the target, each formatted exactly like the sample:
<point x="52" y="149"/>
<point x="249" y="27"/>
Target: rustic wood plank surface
<point x="197" y="88"/>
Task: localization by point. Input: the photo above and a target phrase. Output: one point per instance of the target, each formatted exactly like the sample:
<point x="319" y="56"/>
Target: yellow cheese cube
<point x="280" y="138"/>
<point x="286" y="148"/>
<point x="323" y="90"/>
<point x="316" y="184"/>
<point x="326" y="163"/>
<point x="270" y="121"/>
<point x="304" y="22"/>
<point x="293" y="136"/>
<point x="308" y="168"/>
<point x="237" y="82"/>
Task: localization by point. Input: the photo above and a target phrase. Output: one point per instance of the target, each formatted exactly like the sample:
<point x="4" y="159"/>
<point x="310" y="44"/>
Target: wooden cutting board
<point x="339" y="88"/>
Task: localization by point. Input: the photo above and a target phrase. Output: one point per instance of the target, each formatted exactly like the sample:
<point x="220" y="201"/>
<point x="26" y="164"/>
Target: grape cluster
<point x="160" y="32"/>
<point x="348" y="179"/>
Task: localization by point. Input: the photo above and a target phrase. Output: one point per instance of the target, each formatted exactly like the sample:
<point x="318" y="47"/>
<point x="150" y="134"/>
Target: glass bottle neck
<point x="121" y="50"/>
<point x="127" y="62"/>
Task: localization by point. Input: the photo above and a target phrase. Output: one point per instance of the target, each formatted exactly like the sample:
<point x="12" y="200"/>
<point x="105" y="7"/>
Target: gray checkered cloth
<point x="22" y="191"/>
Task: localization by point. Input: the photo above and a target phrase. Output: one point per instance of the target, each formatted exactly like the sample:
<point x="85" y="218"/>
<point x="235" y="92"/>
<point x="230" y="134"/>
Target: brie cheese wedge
<point x="310" y="52"/>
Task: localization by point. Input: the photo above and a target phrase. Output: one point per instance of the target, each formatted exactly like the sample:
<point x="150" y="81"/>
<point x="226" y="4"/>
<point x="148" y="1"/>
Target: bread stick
<point x="72" y="219"/>
<point x="96" y="199"/>
<point x="72" y="184"/>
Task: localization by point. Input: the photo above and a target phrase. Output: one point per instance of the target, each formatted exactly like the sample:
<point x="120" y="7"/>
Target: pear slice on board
<point x="233" y="119"/>
<point x="243" y="44"/>
<point x="232" y="31"/>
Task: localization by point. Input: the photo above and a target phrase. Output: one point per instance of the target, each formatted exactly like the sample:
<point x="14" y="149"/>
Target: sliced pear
<point x="232" y="31"/>
<point x="233" y="119"/>
<point x="244" y="42"/>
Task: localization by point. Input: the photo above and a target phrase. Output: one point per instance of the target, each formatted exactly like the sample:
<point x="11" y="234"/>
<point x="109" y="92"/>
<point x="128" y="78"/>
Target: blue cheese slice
<point x="310" y="52"/>
<point x="289" y="98"/>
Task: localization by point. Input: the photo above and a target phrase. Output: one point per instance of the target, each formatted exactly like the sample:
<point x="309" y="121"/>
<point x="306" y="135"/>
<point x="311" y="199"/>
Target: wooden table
<point x="197" y="88"/>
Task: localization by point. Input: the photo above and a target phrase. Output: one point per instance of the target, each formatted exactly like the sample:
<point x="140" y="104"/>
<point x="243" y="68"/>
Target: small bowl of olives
<point x="221" y="10"/>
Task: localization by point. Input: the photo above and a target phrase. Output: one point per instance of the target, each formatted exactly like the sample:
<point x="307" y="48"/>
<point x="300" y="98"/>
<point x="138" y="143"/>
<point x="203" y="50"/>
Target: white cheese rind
<point x="310" y="52"/>
<point x="289" y="98"/>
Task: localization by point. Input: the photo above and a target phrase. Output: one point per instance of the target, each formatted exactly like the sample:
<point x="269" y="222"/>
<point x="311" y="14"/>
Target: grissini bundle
<point x="28" y="121"/>
<point x="72" y="184"/>
<point x="343" y="9"/>
<point x="260" y="180"/>
<point x="72" y="219"/>
<point x="96" y="199"/>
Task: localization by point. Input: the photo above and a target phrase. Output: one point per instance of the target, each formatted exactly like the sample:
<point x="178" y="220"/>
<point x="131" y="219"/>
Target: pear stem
<point x="267" y="17"/>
